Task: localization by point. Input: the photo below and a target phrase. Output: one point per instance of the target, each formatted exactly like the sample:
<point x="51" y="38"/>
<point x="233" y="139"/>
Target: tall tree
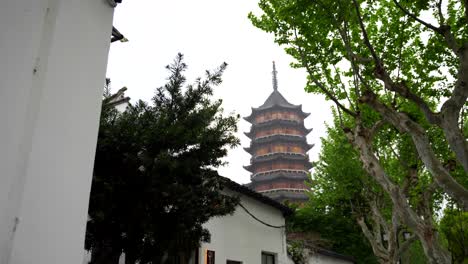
<point x="383" y="64"/>
<point x="344" y="193"/>
<point x="155" y="181"/>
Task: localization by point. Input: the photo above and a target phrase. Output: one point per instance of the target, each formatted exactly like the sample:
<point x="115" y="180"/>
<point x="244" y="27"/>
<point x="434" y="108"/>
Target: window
<point x="210" y="257"/>
<point x="233" y="262"/>
<point x="268" y="258"/>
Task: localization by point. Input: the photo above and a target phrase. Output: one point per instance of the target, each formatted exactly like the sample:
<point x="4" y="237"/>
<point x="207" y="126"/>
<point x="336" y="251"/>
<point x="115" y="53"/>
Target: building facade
<point x="279" y="163"/>
<point x="254" y="233"/>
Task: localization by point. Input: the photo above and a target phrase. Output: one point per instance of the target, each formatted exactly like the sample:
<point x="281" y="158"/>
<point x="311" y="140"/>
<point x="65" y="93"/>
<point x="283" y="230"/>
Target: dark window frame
<point x="266" y="255"/>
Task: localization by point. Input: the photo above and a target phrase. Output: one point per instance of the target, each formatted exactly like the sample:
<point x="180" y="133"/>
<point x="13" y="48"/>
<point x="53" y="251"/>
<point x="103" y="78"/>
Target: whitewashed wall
<point x="53" y="57"/>
<point x="240" y="237"/>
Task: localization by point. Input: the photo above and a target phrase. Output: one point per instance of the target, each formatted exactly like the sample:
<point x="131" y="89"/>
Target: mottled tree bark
<point x="361" y="138"/>
<point x="421" y="141"/>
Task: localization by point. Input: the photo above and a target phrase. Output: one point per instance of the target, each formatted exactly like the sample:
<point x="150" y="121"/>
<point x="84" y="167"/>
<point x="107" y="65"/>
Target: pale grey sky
<point x="209" y="32"/>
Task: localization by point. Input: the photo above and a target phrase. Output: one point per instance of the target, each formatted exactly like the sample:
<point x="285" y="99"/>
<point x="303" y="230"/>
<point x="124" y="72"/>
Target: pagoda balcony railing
<point x="272" y="135"/>
<point x="284" y="189"/>
<point x="274" y="153"/>
<point x="279" y="119"/>
<point x="265" y="173"/>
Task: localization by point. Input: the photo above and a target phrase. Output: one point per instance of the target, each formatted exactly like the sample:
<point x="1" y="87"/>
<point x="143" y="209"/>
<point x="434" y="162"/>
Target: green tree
<point x="155" y="181"/>
<point x="454" y="226"/>
<point x="384" y="66"/>
<point x="347" y="206"/>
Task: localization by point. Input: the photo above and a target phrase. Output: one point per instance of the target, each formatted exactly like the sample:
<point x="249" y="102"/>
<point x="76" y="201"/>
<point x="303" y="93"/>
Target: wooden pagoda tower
<point x="279" y="163"/>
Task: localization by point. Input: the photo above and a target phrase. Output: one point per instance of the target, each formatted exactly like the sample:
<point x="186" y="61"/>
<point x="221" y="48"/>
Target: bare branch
<point x="413" y="16"/>
<point x="376" y="127"/>
<point x="365" y="36"/>
<point x="405" y="245"/>
<point x="443" y="29"/>
<point x="379" y="219"/>
<point x="393" y="233"/>
<point x="465" y="3"/>
<point x="378" y="249"/>
<point x="344" y="33"/>
<point x="319" y="84"/>
<point x="344" y="90"/>
<point x="439" y="11"/>
<point x="340" y="117"/>
<point x="450" y="112"/>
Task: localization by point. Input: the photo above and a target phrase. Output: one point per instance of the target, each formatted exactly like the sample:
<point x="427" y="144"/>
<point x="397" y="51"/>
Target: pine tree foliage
<point x="155" y="181"/>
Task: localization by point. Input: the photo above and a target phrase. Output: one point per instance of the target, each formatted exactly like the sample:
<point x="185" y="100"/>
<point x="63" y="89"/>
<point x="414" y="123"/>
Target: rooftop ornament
<point x="117" y="36"/>
<point x="275" y="81"/>
<point x="113" y="3"/>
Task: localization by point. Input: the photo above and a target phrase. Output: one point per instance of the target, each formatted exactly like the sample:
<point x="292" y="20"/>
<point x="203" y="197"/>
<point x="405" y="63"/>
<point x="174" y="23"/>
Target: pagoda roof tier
<point x="279" y="156"/>
<point x="279" y="176"/>
<point x="286" y="194"/>
<point x="277" y="123"/>
<point x="276" y="99"/>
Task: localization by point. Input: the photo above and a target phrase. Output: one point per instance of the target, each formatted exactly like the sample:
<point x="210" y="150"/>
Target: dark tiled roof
<point x="276" y="98"/>
<point x="294" y="176"/>
<point x="257" y="196"/>
<point x="330" y="253"/>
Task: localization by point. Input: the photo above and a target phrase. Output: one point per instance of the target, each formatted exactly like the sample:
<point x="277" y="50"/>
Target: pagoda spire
<point x="275" y="81"/>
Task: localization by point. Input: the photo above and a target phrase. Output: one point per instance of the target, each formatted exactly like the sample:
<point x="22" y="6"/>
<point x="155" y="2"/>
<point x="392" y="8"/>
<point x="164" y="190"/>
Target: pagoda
<point x="279" y="163"/>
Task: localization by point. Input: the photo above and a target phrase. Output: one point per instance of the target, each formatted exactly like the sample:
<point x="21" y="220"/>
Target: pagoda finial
<point x="275" y="81"/>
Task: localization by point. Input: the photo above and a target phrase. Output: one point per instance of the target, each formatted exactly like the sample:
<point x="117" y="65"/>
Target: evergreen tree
<point x="155" y="181"/>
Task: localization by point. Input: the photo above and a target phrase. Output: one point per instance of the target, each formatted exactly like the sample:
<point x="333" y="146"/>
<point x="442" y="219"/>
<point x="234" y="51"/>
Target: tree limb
<point x="413" y="16"/>
<point x="443" y="29"/>
<point x="405" y="245"/>
<point x="439" y="11"/>
<point x="365" y="36"/>
<point x="408" y="216"/>
<point x="450" y="112"/>
<point x="322" y="87"/>
<point x="405" y="125"/>
<point x="465" y="3"/>
<point x="378" y="249"/>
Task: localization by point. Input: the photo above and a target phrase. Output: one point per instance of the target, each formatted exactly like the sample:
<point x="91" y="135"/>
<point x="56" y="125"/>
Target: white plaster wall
<point x="240" y="237"/>
<point x="53" y="59"/>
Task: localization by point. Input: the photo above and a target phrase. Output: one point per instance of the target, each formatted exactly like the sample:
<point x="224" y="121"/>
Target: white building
<point x="255" y="233"/>
<point x="53" y="63"/>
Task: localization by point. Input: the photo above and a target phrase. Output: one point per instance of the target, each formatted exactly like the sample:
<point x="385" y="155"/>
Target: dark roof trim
<point x="279" y="137"/>
<point x="273" y="177"/>
<point x="257" y="196"/>
<point x="330" y="253"/>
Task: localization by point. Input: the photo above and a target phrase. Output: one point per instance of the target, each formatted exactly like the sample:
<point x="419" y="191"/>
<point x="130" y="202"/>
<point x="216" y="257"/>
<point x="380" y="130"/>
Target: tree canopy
<point x="154" y="180"/>
<point x="399" y="71"/>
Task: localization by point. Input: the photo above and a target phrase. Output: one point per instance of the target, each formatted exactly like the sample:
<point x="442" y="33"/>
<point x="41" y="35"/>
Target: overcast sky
<point x="209" y="32"/>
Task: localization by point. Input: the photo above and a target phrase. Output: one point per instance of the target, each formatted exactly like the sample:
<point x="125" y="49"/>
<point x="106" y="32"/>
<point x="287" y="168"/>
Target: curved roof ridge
<point x="276" y="98"/>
